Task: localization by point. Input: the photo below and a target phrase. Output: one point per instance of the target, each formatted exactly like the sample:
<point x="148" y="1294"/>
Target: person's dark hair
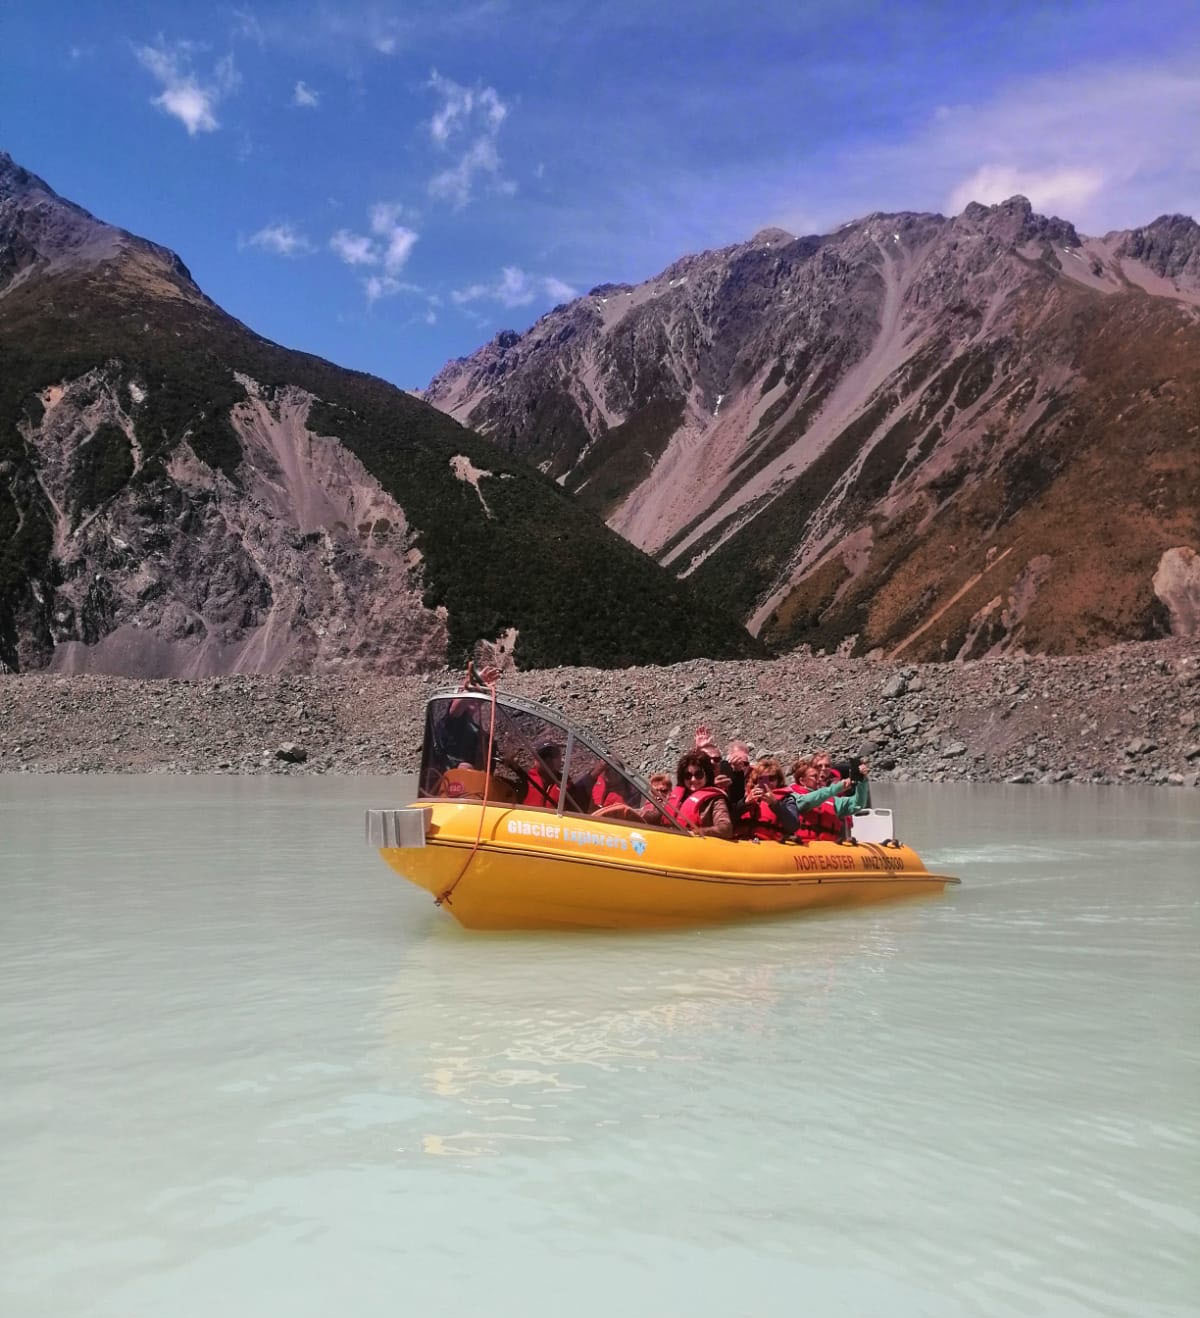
<point x="694" y="760"/>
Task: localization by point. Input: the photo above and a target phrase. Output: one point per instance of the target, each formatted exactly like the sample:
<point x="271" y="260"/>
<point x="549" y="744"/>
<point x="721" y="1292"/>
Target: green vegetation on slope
<point x="576" y="592"/>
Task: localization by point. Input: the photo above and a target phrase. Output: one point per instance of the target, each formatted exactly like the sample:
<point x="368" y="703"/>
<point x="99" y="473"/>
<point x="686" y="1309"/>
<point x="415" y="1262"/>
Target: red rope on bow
<point x="444" y="899"/>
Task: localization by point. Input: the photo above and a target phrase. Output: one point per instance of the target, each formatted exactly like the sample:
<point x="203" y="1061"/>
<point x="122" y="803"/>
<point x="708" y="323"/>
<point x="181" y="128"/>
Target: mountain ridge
<point x="797" y="421"/>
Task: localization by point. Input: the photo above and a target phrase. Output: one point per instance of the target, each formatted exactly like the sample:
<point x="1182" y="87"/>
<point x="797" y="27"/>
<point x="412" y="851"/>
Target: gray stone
<point x="1025" y="776"/>
<point x="953" y="748"/>
<point x="290" y="753"/>
<point x="895" y="687"/>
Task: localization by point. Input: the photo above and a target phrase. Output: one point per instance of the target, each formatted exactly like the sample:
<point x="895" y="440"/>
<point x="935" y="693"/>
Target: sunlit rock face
<point x="300" y="562"/>
<point x="1177" y="584"/>
<point x="917" y="436"/>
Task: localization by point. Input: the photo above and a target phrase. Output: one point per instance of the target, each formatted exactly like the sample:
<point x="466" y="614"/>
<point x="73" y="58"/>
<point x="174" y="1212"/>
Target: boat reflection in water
<point x="524" y="821"/>
<point x="508" y="1060"/>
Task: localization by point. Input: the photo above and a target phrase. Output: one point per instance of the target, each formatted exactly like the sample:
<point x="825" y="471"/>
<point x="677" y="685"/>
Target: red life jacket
<point x="763" y="820"/>
<point x="603" y="795"/>
<point x="820" y="824"/>
<point x="539" y="792"/>
<point x="691" y="808"/>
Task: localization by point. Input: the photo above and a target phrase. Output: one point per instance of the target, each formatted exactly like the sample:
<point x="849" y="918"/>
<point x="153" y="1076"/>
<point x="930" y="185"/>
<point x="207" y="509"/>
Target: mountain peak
<point x="1015" y="221"/>
<point x="1169" y="245"/>
<point x="43" y="233"/>
<point x="770" y="236"/>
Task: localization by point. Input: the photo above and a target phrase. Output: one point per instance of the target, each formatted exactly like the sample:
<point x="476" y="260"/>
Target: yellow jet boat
<point x="505" y="833"/>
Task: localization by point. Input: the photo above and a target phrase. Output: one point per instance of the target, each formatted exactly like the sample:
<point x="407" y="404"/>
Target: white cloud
<point x="305" y="97"/>
<point x="354" y="248"/>
<point x="389" y="245"/>
<point x="281" y="240"/>
<point x="395" y="239"/>
<point x="514" y="288"/>
<point x="184" y="95"/>
<point x="462" y="107"/>
<point x="476" y="115"/>
<point x="1049" y="190"/>
<point x="558" y="290"/>
<point x="1104" y="147"/>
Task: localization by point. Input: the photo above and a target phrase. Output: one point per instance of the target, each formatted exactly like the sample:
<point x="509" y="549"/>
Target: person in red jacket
<point x="823" y="809"/>
<point x="544" y="778"/>
<point x="761" y="815"/>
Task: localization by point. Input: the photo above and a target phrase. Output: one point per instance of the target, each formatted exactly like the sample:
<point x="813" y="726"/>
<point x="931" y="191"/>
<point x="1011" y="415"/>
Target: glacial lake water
<point x="247" y="1071"/>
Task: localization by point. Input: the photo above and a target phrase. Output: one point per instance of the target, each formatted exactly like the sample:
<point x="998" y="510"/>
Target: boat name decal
<point x="805" y="862"/>
<point x="583" y="837"/>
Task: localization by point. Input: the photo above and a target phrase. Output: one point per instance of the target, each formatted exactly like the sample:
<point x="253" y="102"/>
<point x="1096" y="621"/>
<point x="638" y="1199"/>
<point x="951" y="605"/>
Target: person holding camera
<point x="822" y="809"/>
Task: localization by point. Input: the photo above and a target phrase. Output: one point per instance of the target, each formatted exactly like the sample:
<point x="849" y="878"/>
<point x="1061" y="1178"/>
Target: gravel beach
<point x="1130" y="714"/>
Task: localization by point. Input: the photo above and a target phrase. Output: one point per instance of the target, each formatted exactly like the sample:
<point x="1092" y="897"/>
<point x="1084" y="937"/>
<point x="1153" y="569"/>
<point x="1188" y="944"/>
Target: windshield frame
<point x="575" y="733"/>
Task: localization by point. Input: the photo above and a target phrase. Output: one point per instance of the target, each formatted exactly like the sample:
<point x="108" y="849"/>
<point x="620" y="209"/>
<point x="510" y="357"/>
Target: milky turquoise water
<point x="248" y="1071"/>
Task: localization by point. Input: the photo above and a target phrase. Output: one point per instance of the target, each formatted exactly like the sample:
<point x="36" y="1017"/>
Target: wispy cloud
<point x="389" y="245"/>
<point x="515" y="288"/>
<point x="1105" y="146"/>
<point x="280" y="240"/>
<point x="305" y="97"/>
<point x="468" y="120"/>
<point x="354" y="248"/>
<point x="185" y="96"/>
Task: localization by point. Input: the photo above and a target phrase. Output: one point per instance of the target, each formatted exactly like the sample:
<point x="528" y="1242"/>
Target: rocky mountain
<point x="918" y="436"/>
<point x="179" y="496"/>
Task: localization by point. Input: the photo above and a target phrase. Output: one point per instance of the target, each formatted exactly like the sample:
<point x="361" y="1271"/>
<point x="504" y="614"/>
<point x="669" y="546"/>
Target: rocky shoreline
<point x="1129" y="714"/>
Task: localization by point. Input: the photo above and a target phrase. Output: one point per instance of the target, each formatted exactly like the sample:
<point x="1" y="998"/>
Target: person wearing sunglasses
<point x="762" y="814"/>
<point x="700" y="804"/>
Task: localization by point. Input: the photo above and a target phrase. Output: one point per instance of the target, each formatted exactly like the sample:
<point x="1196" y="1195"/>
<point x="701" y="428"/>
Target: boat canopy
<point x="534" y="749"/>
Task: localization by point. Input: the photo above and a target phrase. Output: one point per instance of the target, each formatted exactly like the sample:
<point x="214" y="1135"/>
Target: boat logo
<point x="454" y="789"/>
<point x="638" y="843"/>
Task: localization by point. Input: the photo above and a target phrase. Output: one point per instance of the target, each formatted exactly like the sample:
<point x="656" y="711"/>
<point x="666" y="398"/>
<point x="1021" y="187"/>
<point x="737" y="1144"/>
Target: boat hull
<point x="532" y="869"/>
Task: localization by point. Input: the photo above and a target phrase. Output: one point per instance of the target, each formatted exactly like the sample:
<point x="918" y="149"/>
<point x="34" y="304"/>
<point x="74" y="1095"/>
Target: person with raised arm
<point x="822" y="809"/>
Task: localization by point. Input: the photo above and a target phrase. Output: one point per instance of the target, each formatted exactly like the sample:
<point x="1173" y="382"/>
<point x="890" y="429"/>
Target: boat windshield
<point x="539" y="761"/>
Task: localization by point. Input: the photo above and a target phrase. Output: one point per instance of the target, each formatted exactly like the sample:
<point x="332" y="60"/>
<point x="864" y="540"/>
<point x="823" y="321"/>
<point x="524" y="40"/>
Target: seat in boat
<point x="463" y="782"/>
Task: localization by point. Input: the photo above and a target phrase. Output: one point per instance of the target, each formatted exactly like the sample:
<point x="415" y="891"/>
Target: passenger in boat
<point x="737" y="757"/>
<point x="607" y="791"/>
<point x="462" y="736"/>
<point x="543" y="779"/>
<point x="729" y="773"/>
<point x="652" y="811"/>
<point x="823" y="763"/>
<point x="701" y="804"/>
<point x="764" y="814"/>
<point x="823" y="808"/>
<point x="660" y="791"/>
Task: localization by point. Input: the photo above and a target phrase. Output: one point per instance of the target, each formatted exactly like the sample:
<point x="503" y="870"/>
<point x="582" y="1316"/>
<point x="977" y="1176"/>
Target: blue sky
<point x="389" y="184"/>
